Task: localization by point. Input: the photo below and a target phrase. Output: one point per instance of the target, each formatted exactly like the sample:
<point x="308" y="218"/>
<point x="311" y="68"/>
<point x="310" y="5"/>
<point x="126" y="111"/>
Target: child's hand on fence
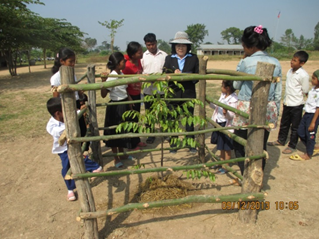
<point x="104" y="76"/>
<point x="177" y="71"/>
<point x="62" y="138"/>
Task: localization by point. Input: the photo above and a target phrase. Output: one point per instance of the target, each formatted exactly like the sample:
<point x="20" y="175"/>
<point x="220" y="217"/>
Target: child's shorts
<point x="223" y="141"/>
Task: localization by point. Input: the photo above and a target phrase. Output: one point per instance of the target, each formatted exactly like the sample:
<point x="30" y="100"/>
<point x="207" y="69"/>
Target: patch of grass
<point x="23" y="114"/>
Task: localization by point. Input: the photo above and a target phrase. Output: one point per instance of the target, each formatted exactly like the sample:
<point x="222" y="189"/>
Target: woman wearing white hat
<point x="182" y="61"/>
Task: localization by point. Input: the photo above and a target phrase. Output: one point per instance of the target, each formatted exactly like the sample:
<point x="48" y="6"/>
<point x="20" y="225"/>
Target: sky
<point x="165" y="17"/>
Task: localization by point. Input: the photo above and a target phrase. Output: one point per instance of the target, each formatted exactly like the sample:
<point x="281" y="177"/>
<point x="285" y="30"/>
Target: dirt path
<point x="33" y="195"/>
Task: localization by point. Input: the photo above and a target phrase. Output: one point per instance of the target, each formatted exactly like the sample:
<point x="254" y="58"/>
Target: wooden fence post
<point x="72" y="128"/>
<point x="95" y="145"/>
<point x="202" y="110"/>
<point x="253" y="174"/>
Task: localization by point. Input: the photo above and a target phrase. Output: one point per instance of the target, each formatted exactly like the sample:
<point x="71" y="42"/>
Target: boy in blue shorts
<point x="55" y="127"/>
<point x="309" y="123"/>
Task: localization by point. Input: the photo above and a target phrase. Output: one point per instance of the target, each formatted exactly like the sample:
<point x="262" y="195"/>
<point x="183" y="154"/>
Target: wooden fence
<point x="251" y="181"/>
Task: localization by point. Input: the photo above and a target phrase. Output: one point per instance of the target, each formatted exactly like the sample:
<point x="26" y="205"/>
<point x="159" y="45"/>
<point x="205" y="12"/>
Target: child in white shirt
<point x="224" y="118"/>
<point x="309" y="123"/>
<point x="55" y="127"/>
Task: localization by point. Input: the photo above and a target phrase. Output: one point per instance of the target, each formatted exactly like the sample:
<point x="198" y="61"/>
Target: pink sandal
<point x="71" y="196"/>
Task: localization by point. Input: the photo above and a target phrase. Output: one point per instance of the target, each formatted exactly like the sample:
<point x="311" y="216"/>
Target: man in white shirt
<point x="152" y="62"/>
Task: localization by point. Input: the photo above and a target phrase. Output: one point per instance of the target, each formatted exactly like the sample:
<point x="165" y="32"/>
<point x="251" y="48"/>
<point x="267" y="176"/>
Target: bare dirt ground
<point x="33" y="194"/>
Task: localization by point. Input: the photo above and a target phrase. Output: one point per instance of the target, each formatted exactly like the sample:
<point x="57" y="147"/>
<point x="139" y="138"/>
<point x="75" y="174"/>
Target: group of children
<point x="303" y="127"/>
<point x="255" y="41"/>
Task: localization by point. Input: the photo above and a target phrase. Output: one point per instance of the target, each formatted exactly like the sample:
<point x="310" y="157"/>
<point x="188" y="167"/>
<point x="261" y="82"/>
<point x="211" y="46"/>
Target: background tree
<point x="13" y="30"/>
<point x="196" y="33"/>
<point x="288" y="38"/>
<point x="22" y="30"/>
<point x="316" y="37"/>
<point x="232" y="35"/>
<point x="113" y="25"/>
<point x="164" y="46"/>
<point x="302" y="43"/>
<point x="105" y="45"/>
<point x="90" y="43"/>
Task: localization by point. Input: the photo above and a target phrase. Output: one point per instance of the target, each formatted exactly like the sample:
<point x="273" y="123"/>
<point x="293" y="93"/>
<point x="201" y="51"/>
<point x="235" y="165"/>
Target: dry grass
<point x="157" y="189"/>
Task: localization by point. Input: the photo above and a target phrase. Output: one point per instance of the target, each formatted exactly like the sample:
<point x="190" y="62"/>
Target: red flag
<point x="278" y="15"/>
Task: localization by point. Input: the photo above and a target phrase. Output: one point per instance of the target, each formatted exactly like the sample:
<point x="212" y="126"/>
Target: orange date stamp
<point x="260" y="205"/>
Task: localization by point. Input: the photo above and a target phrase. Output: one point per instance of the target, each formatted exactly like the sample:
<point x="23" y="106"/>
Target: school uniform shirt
<point x="117" y="93"/>
<point x="152" y="64"/>
<point x="55" y="81"/>
<point x="131" y="69"/>
<point x="56" y="128"/>
<point x="312" y="102"/>
<point x="249" y="65"/>
<point x="297" y="84"/>
<point x="218" y="115"/>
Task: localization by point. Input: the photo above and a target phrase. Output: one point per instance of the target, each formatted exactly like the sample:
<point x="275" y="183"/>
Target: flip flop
<point x="275" y="143"/>
<point x="315" y="152"/>
<point x="142" y="144"/>
<point x="296" y="157"/>
<point x="288" y="150"/>
<point x="119" y="165"/>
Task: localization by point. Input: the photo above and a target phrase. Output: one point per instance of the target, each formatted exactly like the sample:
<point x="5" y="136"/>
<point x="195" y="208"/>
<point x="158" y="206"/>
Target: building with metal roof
<point x="211" y="49"/>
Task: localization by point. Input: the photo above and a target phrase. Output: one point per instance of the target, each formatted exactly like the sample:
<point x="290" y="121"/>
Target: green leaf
<point x="118" y="128"/>
<point x="130" y="125"/>
<point x="190" y="120"/>
<point x="193" y="174"/>
<point x="183" y="121"/>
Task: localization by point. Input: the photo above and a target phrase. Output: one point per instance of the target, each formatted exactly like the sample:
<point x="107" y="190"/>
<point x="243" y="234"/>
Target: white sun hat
<point x="181" y="38"/>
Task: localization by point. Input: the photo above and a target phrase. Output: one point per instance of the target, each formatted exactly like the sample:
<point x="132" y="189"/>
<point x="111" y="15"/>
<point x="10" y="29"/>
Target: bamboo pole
<point x="153" y="78"/>
<point x="74" y="152"/>
<point x="82" y="111"/>
<point x="229" y="134"/>
<point x="172" y="202"/>
<point x="190" y="76"/>
<point x="227" y="107"/>
<point x="82" y="78"/>
<point x="132" y="135"/>
<point x="95" y="145"/>
<point x="253" y="173"/>
<point x="275" y="79"/>
<point x="202" y="110"/>
<point x="231" y="127"/>
<point x="163" y="169"/>
<point x="228" y="168"/>
<point x="142" y="101"/>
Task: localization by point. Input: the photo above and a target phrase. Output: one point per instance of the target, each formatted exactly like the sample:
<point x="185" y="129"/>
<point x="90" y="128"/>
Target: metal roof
<point x="206" y="47"/>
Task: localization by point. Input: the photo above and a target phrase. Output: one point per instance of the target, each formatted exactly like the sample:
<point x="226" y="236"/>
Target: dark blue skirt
<point x="113" y="116"/>
<point x="223" y="141"/>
